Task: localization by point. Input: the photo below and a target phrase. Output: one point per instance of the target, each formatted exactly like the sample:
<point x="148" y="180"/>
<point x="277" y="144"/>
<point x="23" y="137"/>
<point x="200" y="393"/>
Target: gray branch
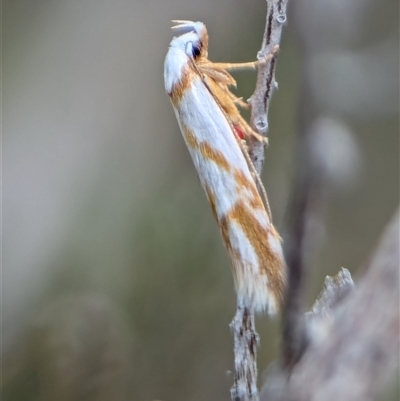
<point x="261" y="98"/>
<point x="245" y="349"/>
<point x="353" y="348"/>
<point x="243" y="325"/>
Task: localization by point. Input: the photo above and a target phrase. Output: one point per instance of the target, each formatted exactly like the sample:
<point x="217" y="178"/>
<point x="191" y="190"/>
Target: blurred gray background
<point x="116" y="285"/>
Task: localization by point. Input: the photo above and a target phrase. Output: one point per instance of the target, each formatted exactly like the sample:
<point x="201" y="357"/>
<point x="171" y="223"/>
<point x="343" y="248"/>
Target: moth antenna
<point x="184" y="26"/>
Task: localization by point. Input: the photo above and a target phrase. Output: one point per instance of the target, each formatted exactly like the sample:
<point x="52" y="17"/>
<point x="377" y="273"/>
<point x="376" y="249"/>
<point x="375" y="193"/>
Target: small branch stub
<point x="335" y="289"/>
<point x="281" y="18"/>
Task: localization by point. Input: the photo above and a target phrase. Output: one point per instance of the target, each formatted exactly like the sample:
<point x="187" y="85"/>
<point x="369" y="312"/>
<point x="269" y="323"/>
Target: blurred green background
<point x="116" y="285"/>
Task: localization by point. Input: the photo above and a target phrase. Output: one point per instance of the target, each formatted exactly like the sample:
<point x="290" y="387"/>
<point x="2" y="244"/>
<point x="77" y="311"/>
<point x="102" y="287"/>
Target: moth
<point x="215" y="134"/>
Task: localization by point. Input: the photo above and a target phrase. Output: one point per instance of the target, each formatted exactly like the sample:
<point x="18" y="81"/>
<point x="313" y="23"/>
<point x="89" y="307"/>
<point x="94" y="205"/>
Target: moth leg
<point x="251" y="65"/>
<point x="273" y="53"/>
<point x="240" y="102"/>
<point x="260" y="138"/>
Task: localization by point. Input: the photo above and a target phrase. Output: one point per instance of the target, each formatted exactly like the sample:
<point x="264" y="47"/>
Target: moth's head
<point x="191" y="37"/>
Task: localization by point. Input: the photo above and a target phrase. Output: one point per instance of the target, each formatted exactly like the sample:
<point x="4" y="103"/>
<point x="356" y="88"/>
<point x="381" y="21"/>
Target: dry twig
<point x="243" y="325"/>
<point x="353" y="348"/>
<point x="261" y="98"/>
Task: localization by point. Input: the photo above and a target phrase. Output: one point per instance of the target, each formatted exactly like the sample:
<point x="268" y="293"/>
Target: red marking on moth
<point x="239" y="131"/>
